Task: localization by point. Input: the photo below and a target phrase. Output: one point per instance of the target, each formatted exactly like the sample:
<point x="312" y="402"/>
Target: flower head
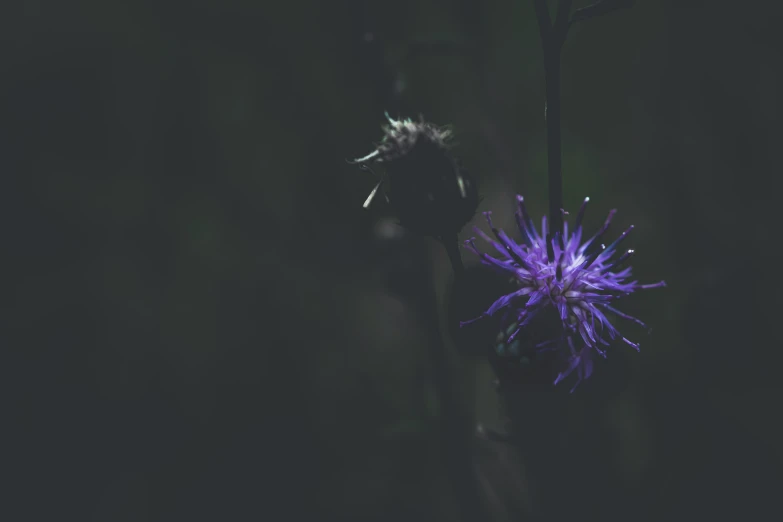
<point x="401" y="136"/>
<point x="572" y="280"/>
<point x="429" y="192"/>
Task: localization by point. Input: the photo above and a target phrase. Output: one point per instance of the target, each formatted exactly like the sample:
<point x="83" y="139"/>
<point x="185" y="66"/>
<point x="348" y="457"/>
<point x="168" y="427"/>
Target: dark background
<point x="201" y="323"/>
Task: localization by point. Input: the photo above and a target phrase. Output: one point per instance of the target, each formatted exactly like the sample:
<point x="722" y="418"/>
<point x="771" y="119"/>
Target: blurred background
<point x="200" y="321"/>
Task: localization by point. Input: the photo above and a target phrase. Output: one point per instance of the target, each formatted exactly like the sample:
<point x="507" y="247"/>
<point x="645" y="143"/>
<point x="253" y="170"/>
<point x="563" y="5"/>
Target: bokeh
<point x="202" y="323"/>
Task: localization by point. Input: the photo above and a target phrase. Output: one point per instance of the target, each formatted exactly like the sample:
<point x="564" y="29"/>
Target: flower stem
<point x="452" y="249"/>
<point x="456" y="428"/>
<point x="553" y="140"/>
<point x="553" y="36"/>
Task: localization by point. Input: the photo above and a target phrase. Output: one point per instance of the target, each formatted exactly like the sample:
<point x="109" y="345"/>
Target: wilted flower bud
<point x="428" y="190"/>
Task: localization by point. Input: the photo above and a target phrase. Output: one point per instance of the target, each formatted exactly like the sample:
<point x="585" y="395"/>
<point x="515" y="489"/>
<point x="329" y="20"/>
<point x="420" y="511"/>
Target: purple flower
<point x="577" y="280"/>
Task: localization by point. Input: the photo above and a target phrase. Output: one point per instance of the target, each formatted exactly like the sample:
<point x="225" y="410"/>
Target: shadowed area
<point x="201" y="322"/>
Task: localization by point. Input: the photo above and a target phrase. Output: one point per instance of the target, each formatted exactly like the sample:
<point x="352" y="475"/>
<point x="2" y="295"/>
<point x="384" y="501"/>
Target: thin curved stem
<point x="452" y="249"/>
<point x="456" y="424"/>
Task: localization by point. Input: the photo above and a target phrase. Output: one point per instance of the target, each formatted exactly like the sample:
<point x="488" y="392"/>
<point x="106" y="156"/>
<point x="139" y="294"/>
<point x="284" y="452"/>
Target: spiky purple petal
<point x="576" y="279"/>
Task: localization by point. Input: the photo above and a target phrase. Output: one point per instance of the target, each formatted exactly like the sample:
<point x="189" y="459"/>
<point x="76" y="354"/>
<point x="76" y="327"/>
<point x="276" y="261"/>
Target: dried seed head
<point x="428" y="189"/>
